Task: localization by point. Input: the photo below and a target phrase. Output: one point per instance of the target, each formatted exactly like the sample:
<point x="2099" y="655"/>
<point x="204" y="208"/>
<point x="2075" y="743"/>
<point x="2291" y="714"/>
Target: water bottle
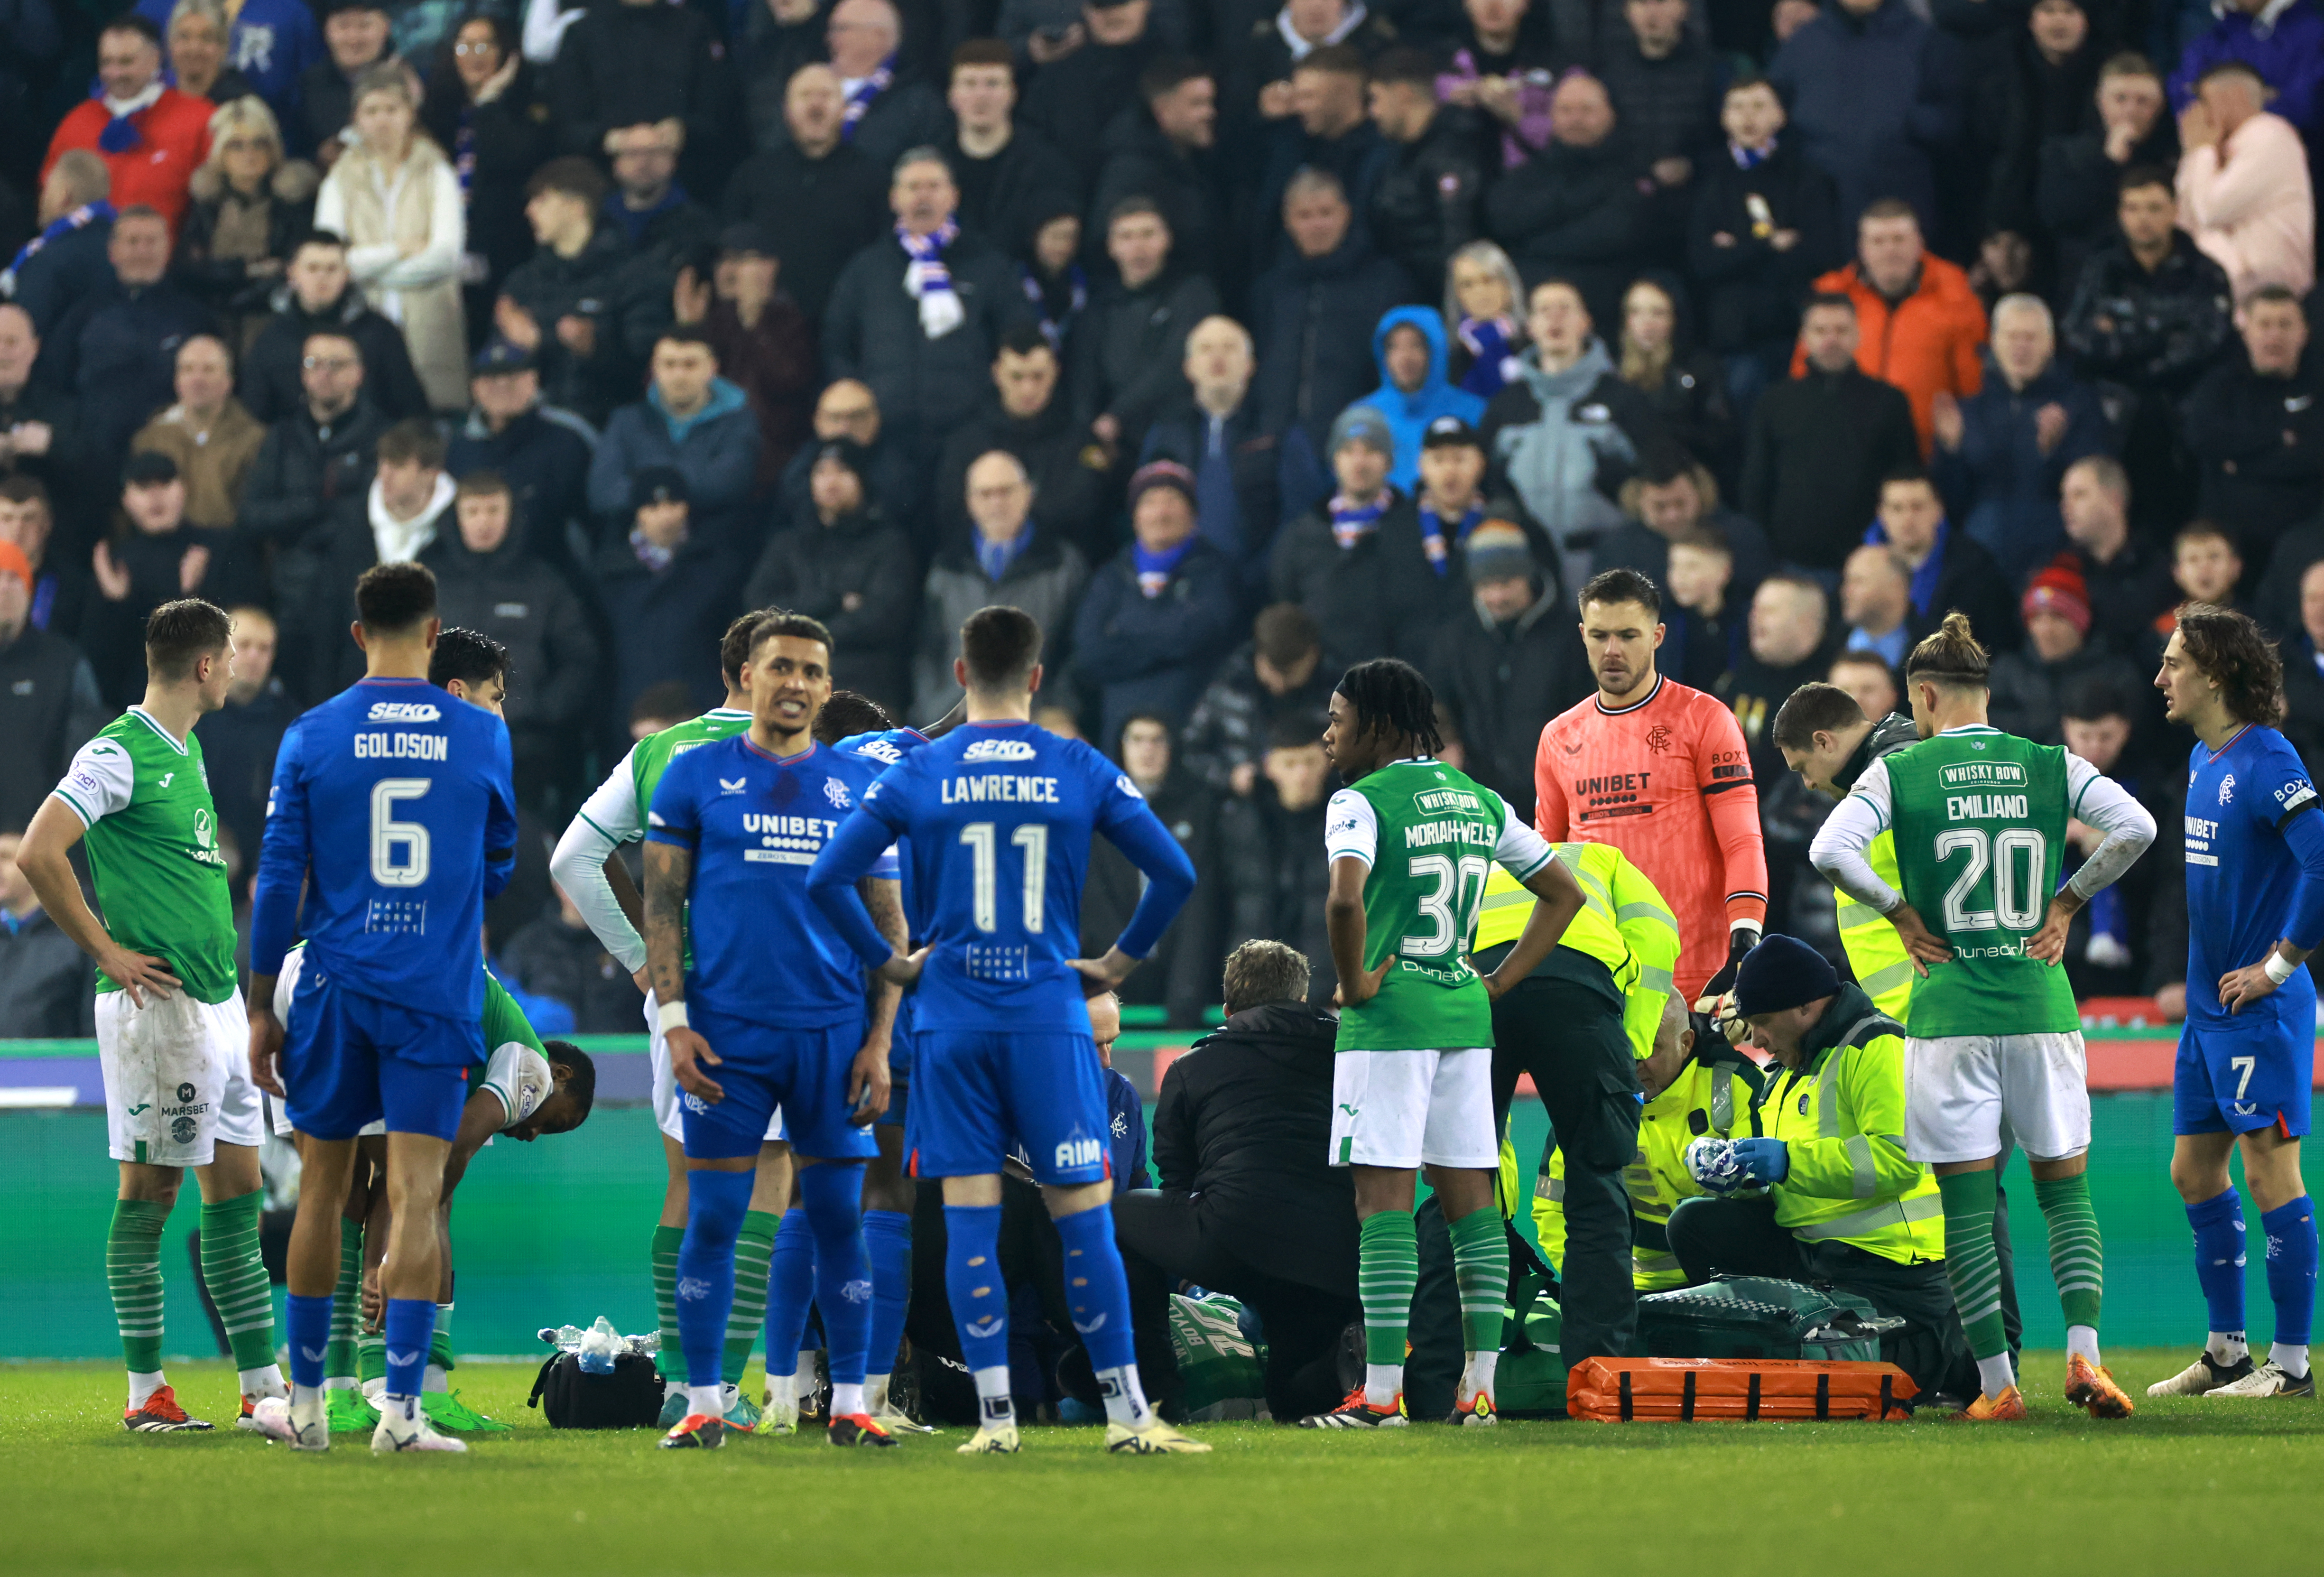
<point x="564" y="1338"/>
<point x="599" y="1347"/>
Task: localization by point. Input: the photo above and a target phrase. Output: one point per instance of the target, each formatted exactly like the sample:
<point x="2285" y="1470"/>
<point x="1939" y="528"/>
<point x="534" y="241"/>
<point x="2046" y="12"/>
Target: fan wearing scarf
<point x="1331" y="560"/>
<point x="150" y="136"/>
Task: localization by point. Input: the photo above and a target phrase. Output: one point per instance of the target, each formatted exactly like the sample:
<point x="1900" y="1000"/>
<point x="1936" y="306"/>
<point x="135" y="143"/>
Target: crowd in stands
<point x="1235" y="343"/>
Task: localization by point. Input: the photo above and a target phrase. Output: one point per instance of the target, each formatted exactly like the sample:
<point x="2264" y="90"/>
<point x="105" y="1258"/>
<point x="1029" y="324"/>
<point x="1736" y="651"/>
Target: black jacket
<point x="1153" y="654"/>
<point x="1182" y="973"/>
<point x="1007" y="194"/>
<point x="1972" y="581"/>
<point x="1751" y="293"/>
<point x="1072" y="100"/>
<point x="1235" y="718"/>
<point x="1129" y="348"/>
<point x="626" y="65"/>
<point x="1244" y="1121"/>
<point x="1271" y="893"/>
<point x="1070" y="478"/>
<point x="2156" y="332"/>
<point x="625" y="295"/>
<point x="544" y="458"/>
<point x="512" y="137"/>
<point x="2027" y="691"/>
<point x="1820" y="444"/>
<point x="47" y="989"/>
<point x="239" y="742"/>
<point x="666" y="621"/>
<point x="926" y="387"/>
<point x="515" y="597"/>
<point x="1140" y="160"/>
<point x="49" y="708"/>
<point x="302" y="470"/>
<point x="227" y="283"/>
<point x="2259" y="443"/>
<point x="1429" y="201"/>
<point x="1501" y="684"/>
<point x="269" y="383"/>
<point x="1575" y="212"/>
<point x="1312" y="320"/>
<point x="77" y="491"/>
<point x="814" y="569"/>
<point x="2131" y="588"/>
<point x="2076" y="188"/>
<point x="117" y="352"/>
<point x="62" y="274"/>
<point x="1358" y="157"/>
<point x="826" y="210"/>
<point x="1346" y="590"/>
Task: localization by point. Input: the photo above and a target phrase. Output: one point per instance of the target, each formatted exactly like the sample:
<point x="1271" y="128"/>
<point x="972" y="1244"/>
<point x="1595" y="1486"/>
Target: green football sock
<point x="2077" y="1258"/>
<point x="132" y="1271"/>
<point x="754" y="1247"/>
<point x="671" y="1356"/>
<point x="1480" y="1265"/>
<point x="440" y="1345"/>
<point x="346" y="1305"/>
<point x="370" y="1356"/>
<point x="1387" y="1266"/>
<point x="1971" y="1262"/>
<point x="236" y="1276"/>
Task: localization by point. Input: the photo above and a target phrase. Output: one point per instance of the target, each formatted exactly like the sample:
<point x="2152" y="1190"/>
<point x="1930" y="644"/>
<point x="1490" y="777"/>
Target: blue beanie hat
<point x="1780" y="972"/>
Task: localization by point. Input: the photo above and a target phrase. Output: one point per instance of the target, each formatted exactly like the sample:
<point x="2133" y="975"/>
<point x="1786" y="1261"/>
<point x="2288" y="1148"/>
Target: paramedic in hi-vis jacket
<point x="1822" y="1190"/>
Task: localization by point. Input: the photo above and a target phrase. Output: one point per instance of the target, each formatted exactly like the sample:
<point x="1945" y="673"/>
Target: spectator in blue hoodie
<point x="693" y="421"/>
<point x="1411" y="348"/>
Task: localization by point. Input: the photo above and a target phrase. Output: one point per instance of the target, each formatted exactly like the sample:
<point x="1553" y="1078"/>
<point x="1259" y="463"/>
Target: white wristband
<point x="2279" y="968"/>
<point x="670" y="1016"/>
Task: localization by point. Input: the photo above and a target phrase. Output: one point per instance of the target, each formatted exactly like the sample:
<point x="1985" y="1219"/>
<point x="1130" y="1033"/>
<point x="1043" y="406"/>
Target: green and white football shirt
<point x="516" y="1066"/>
<point x="617" y="813"/>
<point x="1428" y="834"/>
<point x="153" y="850"/>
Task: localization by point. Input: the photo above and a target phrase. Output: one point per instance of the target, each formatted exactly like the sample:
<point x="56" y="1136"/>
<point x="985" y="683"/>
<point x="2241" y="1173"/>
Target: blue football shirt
<point x="393" y="802"/>
<point x="883" y="749"/>
<point x="754" y="824"/>
<point x="995" y="821"/>
<point x="2242" y="872"/>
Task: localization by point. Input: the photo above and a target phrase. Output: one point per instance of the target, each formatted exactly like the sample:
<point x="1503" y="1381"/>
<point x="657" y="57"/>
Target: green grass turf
<point x="2233" y="1486"/>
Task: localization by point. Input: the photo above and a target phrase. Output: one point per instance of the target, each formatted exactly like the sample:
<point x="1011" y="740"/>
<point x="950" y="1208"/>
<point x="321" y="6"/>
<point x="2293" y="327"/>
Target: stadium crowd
<point x="1236" y="344"/>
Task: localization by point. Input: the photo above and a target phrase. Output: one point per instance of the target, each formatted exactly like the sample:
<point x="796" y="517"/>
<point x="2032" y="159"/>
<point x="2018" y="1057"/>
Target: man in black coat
<point x="2256" y="427"/>
<point x="923" y="338"/>
<point x="633" y="63"/>
<point x="76" y="222"/>
<point x="495" y="583"/>
<point x="1574" y="209"/>
<point x="821" y="194"/>
<point x="1247" y="1204"/>
<point x="584" y="305"/>
<point x="1153" y="617"/>
<point x="1165" y="147"/>
<point x="1514" y="661"/>
<point x="1821" y="443"/>
<point x="893" y="109"/>
<point x="1010" y="175"/>
<point x="1127" y="347"/>
<point x="318" y="456"/>
<point x="541" y="450"/>
<point x="1215" y="433"/>
<point x="2079" y="173"/>
<point x="1328" y="130"/>
<point x="1664" y="84"/>
<point x="661" y="586"/>
<point x="844" y="564"/>
<point x="1332" y="560"/>
<point x="1948" y="567"/>
<point x="1072" y="99"/>
<point x="319" y="296"/>
<point x="50" y="706"/>
<point x="117" y="349"/>
<point x="1029" y="417"/>
<point x="1429" y="200"/>
<point x="1312" y="316"/>
<point x="1267" y="841"/>
<point x="241" y="739"/>
<point x="40" y="426"/>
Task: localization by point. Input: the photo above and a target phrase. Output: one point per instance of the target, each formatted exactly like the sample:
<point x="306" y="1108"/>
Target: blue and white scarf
<point x="1750" y="158"/>
<point x="860" y="97"/>
<point x="80" y="219"/>
<point x="1352" y="522"/>
<point x="1154" y="569"/>
<point x="123" y="134"/>
<point x="929" y="280"/>
<point x="1490" y="343"/>
<point x="650" y="553"/>
<point x="1433" y="541"/>
<point x="1054" y="326"/>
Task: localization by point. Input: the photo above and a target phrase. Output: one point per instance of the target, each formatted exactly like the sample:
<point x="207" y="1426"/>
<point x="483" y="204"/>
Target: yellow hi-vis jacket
<point x="1876" y="953"/>
<point x="1841" y="1118"/>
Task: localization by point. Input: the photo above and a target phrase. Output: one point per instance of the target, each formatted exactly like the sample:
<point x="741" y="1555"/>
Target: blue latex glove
<point x="1764" y="1160"/>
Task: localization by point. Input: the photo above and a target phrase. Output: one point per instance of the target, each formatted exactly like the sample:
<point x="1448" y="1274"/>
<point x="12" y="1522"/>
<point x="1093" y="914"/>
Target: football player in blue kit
<point x="995" y="819"/>
<point x="393" y="807"/>
<point x="770" y="1011"/>
<point x="2246" y="1056"/>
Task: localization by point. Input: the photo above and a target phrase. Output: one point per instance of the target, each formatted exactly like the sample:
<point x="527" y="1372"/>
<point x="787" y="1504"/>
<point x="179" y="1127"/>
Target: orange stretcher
<point x="1689" y="1390"/>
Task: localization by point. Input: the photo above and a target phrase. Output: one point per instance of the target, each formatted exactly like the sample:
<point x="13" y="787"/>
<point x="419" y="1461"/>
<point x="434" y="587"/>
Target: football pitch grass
<point x="2230" y="1486"/>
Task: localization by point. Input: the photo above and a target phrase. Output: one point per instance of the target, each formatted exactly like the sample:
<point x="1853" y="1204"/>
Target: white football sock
<point x="2292" y="1361"/>
<point x="434" y="1379"/>
<point x="142" y="1386"/>
<point x="2228" y="1348"/>
<point x="995" y="1406"/>
<point x="400" y="1409"/>
<point x="1381" y="1383"/>
<point x="304" y="1397"/>
<point x="875" y="1393"/>
<point x="2084" y="1340"/>
<point x="263" y="1382"/>
<point x="707" y="1400"/>
<point x="340" y="1382"/>
<point x="782" y="1390"/>
<point x="1479" y="1375"/>
<point x="1125" y="1398"/>
<point x="1993" y="1374"/>
<point x="846" y="1398"/>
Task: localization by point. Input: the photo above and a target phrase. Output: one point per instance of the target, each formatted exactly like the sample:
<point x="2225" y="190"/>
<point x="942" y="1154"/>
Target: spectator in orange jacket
<point x="150" y="136"/>
<point x="1921" y="324"/>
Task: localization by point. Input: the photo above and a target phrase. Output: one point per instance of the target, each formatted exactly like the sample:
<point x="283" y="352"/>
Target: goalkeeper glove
<point x="1713" y="1162"/>
<point x="1763" y="1160"/>
<point x="1717" y="998"/>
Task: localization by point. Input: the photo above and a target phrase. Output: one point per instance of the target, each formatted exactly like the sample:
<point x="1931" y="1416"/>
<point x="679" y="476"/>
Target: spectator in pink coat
<point x="2243" y="188"/>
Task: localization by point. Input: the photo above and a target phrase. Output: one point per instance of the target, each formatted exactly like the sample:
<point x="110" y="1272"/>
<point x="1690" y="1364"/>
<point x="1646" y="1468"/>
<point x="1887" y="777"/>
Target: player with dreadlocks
<point x="1411" y="842"/>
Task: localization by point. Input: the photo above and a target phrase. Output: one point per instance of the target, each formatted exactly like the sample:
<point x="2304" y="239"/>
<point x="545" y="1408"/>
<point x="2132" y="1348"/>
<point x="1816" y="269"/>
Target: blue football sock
<point x="411" y="1322"/>
<point x="1096" y="1289"/>
<point x="715" y="1203"/>
<point x="790" y="1290"/>
<point x="2218" y="1224"/>
<point x="2291" y="1232"/>
<point x="979" y="1302"/>
<point x="833" y="1193"/>
<point x="308" y="1323"/>
<point x="888" y="1238"/>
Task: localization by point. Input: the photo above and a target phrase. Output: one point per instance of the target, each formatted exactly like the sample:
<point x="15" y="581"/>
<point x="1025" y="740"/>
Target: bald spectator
<point x="1947" y="569"/>
<point x="1217" y="435"/>
<point x="918" y="314"/>
<point x="2002" y="452"/>
<point x="1920" y="324"/>
<point x="39" y="424"/>
<point x="150" y="136"/>
<point x="66" y="260"/>
<point x="2245" y="188"/>
<point x="1875" y="597"/>
<point x="636" y="63"/>
<point x="1789" y="641"/>
<point x="1327" y="129"/>
<point x="887" y="110"/>
<point x="846" y="408"/>
<point x="1574" y="209"/>
<point x="818" y="191"/>
<point x="115" y="349"/>
<point x="1009" y="560"/>
<point x="1312" y="316"/>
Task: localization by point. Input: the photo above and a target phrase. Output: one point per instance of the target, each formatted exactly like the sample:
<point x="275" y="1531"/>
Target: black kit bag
<point x="570" y="1398"/>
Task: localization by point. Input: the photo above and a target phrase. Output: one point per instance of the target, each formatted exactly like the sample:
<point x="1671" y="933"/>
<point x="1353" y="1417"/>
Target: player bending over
<point x="995" y="819"/>
<point x="771" y="1010"/>
<point x="393" y="807"/>
<point x="587" y="867"/>
<point x="1992" y="1035"/>
<point x="1411" y="842"/>
<point x="2246" y="1056"/>
<point x="169" y="1042"/>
